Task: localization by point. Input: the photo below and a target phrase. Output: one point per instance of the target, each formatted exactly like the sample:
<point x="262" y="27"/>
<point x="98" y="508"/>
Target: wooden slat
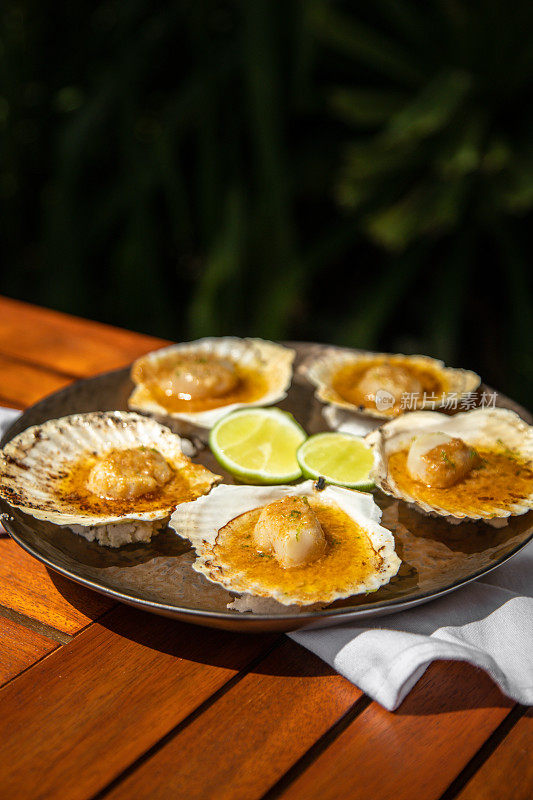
<point x="20" y="648"/>
<point x="244" y="742"/>
<point x="508" y="772"/>
<point x="23" y="384"/>
<point x="27" y="587"/>
<point x="6" y="403"/>
<point x="76" y="719"/>
<point x="67" y="344"/>
<point x="417" y="751"/>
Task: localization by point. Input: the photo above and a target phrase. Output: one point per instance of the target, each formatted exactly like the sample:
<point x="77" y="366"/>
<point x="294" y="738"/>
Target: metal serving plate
<point x="158" y="577"/>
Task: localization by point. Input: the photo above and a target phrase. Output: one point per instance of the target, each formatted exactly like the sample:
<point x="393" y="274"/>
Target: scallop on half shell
<point x="193" y="385"/>
<point x="499" y="482"/>
<point x="375" y="384"/>
<point x="53" y="471"/>
<point x="356" y="553"/>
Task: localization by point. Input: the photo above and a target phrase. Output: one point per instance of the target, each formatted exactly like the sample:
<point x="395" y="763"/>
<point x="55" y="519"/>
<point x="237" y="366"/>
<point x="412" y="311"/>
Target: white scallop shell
<point x="320" y="370"/>
<point x="273" y="360"/>
<point x="201" y="521"/>
<point x="33" y="463"/>
<point x="480" y="427"/>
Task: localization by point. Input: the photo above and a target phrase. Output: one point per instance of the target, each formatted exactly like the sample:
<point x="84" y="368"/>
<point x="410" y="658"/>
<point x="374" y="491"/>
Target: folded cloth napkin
<point x="488" y="623"/>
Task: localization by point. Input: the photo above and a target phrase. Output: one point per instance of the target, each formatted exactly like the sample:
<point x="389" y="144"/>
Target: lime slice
<point x="342" y="459"/>
<point x="258" y="445"/>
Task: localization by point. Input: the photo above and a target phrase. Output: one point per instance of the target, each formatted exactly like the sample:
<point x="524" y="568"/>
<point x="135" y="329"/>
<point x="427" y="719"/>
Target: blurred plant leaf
<point x="430" y="110"/>
<point x="223" y="262"/>
<point x="347" y="34"/>
<point x="365" y="107"/>
<point x="428" y="209"/>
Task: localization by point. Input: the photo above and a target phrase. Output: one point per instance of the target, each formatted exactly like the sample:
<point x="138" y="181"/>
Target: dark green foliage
<point x="357" y="173"/>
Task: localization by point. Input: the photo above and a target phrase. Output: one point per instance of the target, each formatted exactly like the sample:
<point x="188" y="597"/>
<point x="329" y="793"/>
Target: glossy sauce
<point x="349" y="558"/>
<point x="346" y="381"/>
<point x="251" y="386"/>
<point x="73" y="488"/>
<point x="502" y="480"/>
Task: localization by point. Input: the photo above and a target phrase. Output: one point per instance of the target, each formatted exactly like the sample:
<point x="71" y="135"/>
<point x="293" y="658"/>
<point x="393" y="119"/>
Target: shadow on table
<point x="445" y="687"/>
<point x="449" y="686"/>
<point x="196" y="643"/>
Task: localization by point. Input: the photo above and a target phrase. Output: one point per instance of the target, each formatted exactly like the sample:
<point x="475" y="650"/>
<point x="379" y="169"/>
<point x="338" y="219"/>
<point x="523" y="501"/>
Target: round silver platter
<point x="158" y="577"/>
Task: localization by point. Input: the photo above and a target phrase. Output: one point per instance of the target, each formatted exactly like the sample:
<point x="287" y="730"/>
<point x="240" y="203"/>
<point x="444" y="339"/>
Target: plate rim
<point x="251" y="619"/>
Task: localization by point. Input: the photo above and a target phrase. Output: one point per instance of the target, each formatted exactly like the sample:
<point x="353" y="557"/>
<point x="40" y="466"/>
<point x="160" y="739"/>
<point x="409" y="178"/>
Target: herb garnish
<point x="447" y="460"/>
<point x="507" y="450"/>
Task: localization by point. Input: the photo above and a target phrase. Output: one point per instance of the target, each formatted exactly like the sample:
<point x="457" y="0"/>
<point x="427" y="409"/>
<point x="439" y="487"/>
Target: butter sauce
<point x="250" y="386"/>
<point x="349" y="558"/>
<point x="346" y="380"/>
<point x="501" y="480"/>
<point x="73" y="487"/>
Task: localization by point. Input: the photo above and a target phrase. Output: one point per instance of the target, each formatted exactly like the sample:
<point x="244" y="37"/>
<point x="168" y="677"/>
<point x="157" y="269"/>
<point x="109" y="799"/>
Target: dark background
<point x="358" y="173"/>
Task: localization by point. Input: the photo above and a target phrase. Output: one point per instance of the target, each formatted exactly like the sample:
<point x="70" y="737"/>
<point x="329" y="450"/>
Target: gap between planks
<point x="202" y="708"/>
<point x="317" y="748"/>
<point x="35" y="625"/>
<point x="484" y="752"/>
<point x="335" y="730"/>
<point x="187" y="720"/>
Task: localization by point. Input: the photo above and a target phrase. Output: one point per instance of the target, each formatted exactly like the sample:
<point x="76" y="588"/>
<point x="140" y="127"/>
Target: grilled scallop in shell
<point x="474" y="465"/>
<point x="384" y="385"/>
<point x="114" y="477"/>
<point x="291" y="544"/>
<point x="193" y="385"/>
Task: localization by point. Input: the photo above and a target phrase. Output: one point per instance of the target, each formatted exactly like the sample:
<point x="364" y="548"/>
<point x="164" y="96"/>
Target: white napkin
<point x="7" y="417"/>
<point x="488" y="623"/>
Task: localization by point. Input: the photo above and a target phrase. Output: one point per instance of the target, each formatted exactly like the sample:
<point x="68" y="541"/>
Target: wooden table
<point x="101" y="700"/>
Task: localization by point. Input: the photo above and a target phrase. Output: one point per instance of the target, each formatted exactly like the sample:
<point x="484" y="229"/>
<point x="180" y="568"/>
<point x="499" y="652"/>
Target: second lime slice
<point x="340" y="458"/>
<point x="258" y="445"/>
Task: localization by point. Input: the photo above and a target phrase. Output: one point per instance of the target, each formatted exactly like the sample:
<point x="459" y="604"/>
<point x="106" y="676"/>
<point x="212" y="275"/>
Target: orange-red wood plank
<point x="23" y="384"/>
<point x="417" y="751"/>
<point x="20" y="648"/>
<point x="246" y="741"/>
<point x="76" y="719"/>
<point x="64" y="343"/>
<point x="507" y="774"/>
<point x="27" y="587"/>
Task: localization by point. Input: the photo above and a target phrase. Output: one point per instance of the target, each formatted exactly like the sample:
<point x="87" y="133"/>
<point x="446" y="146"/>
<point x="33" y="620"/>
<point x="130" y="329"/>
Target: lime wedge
<point x="340" y="458"/>
<point x="258" y="445"/>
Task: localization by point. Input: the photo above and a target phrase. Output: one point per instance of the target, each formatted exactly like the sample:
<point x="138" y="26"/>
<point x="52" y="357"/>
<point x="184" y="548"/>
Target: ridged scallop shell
<point x="33" y="463"/>
<point x="481" y="427"/>
<point x="201" y="521"/>
<point x="273" y="360"/>
<point x="320" y="370"/>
